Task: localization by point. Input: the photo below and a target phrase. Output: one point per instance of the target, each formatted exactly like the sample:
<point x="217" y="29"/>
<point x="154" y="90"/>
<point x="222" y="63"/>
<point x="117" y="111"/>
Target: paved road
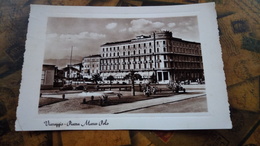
<point x="128" y="107"/>
<point x="192" y="101"/>
<point x="197" y="104"/>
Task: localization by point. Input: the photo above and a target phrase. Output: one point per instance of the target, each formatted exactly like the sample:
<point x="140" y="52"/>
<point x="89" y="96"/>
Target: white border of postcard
<point x="217" y="117"/>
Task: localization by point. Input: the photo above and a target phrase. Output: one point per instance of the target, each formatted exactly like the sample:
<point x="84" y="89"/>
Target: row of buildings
<point x="159" y="55"/>
<point x="52" y="76"/>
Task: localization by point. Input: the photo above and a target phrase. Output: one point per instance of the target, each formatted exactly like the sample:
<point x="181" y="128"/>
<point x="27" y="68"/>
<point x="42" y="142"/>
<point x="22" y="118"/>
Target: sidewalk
<point x="125" y="107"/>
<point x="116" y="105"/>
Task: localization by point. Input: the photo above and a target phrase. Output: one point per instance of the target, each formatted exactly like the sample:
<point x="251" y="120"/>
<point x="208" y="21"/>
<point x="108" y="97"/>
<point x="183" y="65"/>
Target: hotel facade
<point x="90" y="65"/>
<point x="160" y="55"/>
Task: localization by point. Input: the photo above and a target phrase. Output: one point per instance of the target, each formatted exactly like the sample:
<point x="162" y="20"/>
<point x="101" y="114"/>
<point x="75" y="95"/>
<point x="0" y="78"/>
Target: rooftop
<point x="161" y="34"/>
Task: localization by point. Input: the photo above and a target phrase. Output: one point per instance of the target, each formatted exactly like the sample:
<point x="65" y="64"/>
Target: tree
<point x="110" y="78"/>
<point x="133" y="76"/>
<point x="96" y="78"/>
<point x="153" y="78"/>
<point x="59" y="76"/>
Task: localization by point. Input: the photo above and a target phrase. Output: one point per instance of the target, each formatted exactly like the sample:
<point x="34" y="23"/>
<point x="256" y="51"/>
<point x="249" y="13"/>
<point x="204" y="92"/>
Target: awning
<point x="104" y="74"/>
<point x="121" y="75"/>
<point x="87" y="76"/>
<point x="145" y="74"/>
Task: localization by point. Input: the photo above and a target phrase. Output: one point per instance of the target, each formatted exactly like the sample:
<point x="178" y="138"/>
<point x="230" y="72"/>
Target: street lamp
<point x="132" y="77"/>
<point x="70" y="64"/>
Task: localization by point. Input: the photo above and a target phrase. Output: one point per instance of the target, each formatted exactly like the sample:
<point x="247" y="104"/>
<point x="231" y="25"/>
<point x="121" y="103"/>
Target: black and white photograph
<point x="142" y="65"/>
<point x="94" y="68"/>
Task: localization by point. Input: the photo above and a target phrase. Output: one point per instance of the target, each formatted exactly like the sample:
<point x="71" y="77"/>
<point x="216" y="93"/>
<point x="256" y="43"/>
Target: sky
<point x="86" y="35"/>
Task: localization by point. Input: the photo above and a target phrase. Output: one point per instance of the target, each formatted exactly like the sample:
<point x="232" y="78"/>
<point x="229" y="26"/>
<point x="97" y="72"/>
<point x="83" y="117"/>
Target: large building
<point x="90" y="65"/>
<point x="159" y="54"/>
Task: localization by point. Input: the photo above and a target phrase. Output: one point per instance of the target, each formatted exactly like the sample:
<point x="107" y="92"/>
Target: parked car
<point x="176" y="87"/>
<point x="149" y="90"/>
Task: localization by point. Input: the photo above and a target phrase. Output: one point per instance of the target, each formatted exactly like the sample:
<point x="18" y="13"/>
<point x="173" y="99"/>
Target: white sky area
<point x="87" y="35"/>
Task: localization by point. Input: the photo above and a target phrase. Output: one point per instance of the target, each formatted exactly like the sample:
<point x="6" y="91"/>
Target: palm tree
<point x="153" y="78"/>
<point x="96" y="78"/>
<point x="110" y="78"/>
<point x="133" y="76"/>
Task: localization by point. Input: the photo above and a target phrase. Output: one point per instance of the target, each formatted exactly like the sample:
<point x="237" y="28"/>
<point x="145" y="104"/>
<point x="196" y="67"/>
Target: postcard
<point x="112" y="68"/>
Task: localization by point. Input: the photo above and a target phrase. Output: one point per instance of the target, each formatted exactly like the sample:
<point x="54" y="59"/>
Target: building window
<point x="159" y="76"/>
<point x="165" y="64"/>
<point x="43" y="77"/>
<point x="165" y="75"/>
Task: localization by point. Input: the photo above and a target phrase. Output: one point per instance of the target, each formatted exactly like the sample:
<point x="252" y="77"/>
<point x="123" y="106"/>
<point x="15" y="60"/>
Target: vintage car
<point x="149" y="90"/>
<point x="176" y="87"/>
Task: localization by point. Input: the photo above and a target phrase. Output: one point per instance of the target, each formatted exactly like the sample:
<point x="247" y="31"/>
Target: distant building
<point x="48" y="75"/>
<point x="73" y="71"/>
<point x="161" y="55"/>
<point x="90" y="65"/>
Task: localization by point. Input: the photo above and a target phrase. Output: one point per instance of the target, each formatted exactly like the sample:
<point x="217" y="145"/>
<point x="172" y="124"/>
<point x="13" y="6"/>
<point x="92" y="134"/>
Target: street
<point x="194" y="100"/>
<point x="199" y="104"/>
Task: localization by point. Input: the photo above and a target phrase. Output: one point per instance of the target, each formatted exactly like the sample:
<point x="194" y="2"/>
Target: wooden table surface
<point x="239" y="36"/>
